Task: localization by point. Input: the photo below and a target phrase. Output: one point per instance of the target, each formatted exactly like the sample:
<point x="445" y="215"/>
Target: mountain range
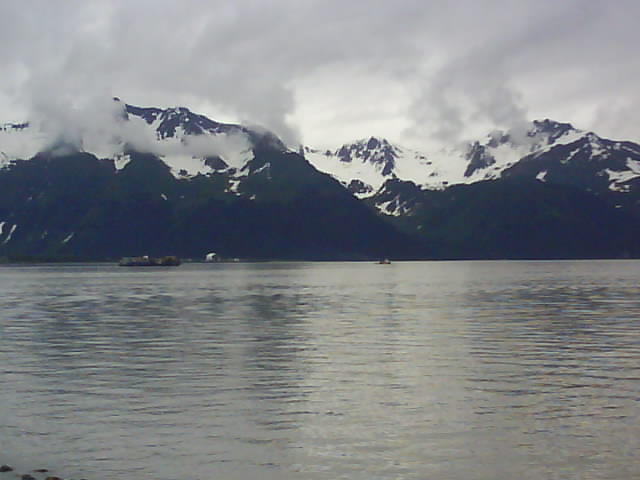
<point x="130" y="180"/>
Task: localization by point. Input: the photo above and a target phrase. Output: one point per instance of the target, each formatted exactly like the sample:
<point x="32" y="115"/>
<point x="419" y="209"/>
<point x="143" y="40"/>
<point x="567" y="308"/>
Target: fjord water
<point x="440" y="370"/>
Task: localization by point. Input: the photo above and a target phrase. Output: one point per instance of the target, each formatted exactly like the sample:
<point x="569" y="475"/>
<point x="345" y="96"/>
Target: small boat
<point x="384" y="261"/>
<point x="147" y="261"/>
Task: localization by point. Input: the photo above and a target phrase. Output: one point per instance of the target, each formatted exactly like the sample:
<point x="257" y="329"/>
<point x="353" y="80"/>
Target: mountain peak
<point x="375" y="142"/>
<point x="548" y="125"/>
<point x="377" y="151"/>
<point x="551" y="129"/>
<point x="168" y="119"/>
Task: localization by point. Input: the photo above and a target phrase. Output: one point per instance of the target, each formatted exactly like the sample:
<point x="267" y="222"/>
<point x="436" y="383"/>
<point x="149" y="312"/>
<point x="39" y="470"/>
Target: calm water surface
<point x="465" y="370"/>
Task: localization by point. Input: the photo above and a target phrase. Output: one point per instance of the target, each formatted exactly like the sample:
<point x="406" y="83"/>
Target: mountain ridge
<point x="143" y="179"/>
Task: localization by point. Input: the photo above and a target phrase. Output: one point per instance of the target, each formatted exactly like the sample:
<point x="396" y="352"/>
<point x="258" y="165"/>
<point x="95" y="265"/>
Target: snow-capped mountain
<point x="192" y="144"/>
<point x="189" y="143"/>
<point x="591" y="162"/>
<point x="70" y="204"/>
<point x="125" y="180"/>
<point x="364" y="166"/>
<point x="546" y="150"/>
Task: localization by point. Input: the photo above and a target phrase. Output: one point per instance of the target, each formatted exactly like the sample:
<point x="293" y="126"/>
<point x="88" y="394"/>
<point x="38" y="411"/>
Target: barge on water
<point x="147" y="261"/>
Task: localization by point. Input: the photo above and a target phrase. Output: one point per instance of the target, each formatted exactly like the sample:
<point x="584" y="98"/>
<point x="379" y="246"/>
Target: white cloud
<point x="422" y="70"/>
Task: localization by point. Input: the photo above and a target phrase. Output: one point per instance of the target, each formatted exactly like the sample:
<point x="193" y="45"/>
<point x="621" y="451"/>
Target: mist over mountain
<point x="132" y="180"/>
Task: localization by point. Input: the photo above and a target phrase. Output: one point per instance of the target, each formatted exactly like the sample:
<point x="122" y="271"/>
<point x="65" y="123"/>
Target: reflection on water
<point x="467" y="370"/>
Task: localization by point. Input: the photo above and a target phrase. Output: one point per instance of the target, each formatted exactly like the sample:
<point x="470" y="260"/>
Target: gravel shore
<point x="7" y="472"/>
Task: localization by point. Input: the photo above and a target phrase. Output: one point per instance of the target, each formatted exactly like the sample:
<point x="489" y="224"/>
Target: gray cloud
<point x="457" y="67"/>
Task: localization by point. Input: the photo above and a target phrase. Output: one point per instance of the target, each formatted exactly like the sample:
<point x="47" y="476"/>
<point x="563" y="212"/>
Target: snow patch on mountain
<point x="234" y="184"/>
<point x="10" y="234"/>
<point x="186" y="166"/>
<point x="264" y="168"/>
<point x="121" y="160"/>
<point x="394" y="207"/>
<point x="618" y="179"/>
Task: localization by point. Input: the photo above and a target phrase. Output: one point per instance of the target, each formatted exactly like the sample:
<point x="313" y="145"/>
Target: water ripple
<point x="440" y="370"/>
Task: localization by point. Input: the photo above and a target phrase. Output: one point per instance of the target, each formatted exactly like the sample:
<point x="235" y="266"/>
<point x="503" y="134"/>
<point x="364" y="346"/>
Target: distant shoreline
<point x="35" y="260"/>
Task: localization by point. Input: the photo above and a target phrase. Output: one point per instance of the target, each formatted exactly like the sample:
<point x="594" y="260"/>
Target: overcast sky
<point x="326" y="72"/>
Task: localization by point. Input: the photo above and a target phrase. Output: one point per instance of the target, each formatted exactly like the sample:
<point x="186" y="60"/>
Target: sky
<point x="323" y="73"/>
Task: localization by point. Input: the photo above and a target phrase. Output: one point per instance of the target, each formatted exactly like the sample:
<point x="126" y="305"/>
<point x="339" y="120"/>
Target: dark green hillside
<point x="523" y="219"/>
<point x="78" y="205"/>
<point x="287" y="209"/>
<point x="281" y="207"/>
